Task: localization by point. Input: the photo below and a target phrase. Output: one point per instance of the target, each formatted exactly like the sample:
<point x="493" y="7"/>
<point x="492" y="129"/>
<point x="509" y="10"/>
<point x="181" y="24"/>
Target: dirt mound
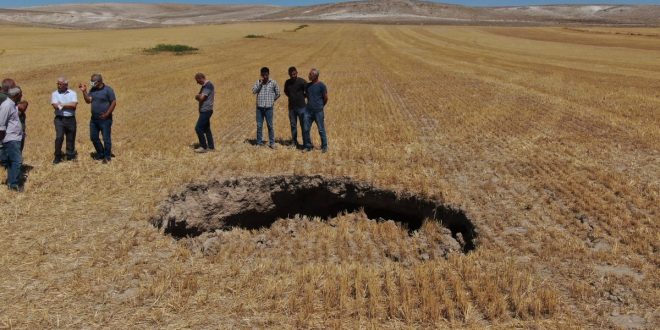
<point x="258" y="202"/>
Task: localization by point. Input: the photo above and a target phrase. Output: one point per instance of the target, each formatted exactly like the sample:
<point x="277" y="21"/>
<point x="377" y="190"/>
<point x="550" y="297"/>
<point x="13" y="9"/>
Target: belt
<point x="65" y="117"/>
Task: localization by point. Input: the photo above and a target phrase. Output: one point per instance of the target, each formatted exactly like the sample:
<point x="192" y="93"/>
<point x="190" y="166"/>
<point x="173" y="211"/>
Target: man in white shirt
<point x="64" y="102"/>
<point x="11" y="134"/>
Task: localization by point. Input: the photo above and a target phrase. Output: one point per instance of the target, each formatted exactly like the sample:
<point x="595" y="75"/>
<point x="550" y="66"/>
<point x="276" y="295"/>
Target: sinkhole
<point x="258" y="202"/>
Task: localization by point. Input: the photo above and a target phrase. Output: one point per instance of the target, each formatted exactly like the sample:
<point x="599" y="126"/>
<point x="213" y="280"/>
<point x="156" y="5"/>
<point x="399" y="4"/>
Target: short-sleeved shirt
<point x="68" y="96"/>
<point x="10" y="122"/>
<point x="266" y="94"/>
<point x="209" y="90"/>
<point x="315" y="92"/>
<point x="3" y="97"/>
<point x="295" y="90"/>
<point x="101" y="100"/>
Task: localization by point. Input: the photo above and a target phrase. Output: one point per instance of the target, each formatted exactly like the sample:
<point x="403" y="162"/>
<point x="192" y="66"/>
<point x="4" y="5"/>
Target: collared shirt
<point x="209" y="90"/>
<point x="68" y="96"/>
<point x="266" y="94"/>
<point x="9" y="121"/>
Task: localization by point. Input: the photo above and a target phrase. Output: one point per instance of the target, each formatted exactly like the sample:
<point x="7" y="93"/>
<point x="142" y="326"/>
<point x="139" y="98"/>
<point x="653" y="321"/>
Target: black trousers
<point x="65" y="126"/>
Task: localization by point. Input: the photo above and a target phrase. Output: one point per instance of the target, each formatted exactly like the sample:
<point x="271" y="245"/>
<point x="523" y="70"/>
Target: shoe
<point x="307" y="150"/>
<point x="272" y="146"/>
<point x="210" y="150"/>
<point x="324" y="150"/>
<point x="57" y="160"/>
<point x="200" y="150"/>
<point x="16" y="188"/>
<point x="106" y="160"/>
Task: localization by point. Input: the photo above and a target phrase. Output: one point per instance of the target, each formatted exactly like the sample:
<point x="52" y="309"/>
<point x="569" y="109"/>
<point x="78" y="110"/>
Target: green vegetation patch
<point x="176" y="49"/>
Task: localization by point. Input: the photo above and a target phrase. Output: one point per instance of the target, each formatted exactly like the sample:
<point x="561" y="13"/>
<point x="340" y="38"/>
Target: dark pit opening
<point x="257" y="202"/>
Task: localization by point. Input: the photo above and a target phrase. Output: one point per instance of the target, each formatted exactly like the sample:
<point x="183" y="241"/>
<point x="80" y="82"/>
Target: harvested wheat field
<point x="477" y="177"/>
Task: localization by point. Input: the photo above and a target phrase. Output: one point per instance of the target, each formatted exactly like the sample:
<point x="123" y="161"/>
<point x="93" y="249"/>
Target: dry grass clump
<point x="546" y="137"/>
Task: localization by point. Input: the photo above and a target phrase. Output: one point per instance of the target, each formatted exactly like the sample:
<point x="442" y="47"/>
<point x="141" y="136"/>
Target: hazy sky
<point x="25" y="3"/>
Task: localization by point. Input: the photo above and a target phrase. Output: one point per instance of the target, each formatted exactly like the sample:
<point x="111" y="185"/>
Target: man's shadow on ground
<point x="282" y="142"/>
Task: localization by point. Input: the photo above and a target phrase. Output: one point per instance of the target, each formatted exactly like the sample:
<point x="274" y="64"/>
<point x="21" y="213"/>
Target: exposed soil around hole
<point x="258" y="202"/>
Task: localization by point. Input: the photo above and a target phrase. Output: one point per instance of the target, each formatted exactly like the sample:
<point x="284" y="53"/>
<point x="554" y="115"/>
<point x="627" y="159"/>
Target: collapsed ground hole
<point x="258" y="202"/>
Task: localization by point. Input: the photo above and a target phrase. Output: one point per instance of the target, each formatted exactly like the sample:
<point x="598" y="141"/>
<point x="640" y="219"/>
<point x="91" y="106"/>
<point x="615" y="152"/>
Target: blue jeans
<point x="12" y="159"/>
<point x="103" y="126"/>
<point x="296" y="116"/>
<point x="318" y="117"/>
<point x="203" y="130"/>
<point x="268" y="114"/>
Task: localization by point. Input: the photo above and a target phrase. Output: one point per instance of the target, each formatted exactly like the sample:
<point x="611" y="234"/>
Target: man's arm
<point x="113" y="104"/>
<point x="257" y="87"/>
<point x="277" y="90"/>
<point x="325" y="95"/>
<point x="70" y="106"/>
<point x="4" y="116"/>
<point x="111" y="108"/>
<point x="83" y="89"/>
<point x="22" y="106"/>
<point x="201" y="97"/>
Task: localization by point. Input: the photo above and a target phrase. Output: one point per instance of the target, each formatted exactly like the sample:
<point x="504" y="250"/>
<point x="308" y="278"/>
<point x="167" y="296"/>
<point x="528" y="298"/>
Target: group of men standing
<point x="64" y="102"/>
<point x="306" y="103"/>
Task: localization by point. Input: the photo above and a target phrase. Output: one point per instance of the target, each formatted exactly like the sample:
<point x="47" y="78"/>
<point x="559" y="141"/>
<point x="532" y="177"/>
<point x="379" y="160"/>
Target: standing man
<point x="294" y="88"/>
<point x="103" y="101"/>
<point x="22" y="106"/>
<point x="11" y="135"/>
<point x="64" y="101"/>
<point x="205" y="99"/>
<point x="317" y="98"/>
<point x="267" y="93"/>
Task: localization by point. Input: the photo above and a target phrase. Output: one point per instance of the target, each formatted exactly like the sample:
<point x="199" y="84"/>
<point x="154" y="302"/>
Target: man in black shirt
<point x="294" y="89"/>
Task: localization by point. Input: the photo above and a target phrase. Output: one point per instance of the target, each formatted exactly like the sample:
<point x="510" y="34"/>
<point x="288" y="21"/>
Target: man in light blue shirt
<point x="11" y="135"/>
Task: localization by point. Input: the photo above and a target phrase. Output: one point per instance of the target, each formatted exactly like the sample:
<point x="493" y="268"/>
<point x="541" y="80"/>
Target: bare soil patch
<point x="258" y="202"/>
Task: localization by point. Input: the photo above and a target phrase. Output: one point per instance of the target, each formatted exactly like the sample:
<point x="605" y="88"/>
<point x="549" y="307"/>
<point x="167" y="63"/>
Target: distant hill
<point x="115" y="15"/>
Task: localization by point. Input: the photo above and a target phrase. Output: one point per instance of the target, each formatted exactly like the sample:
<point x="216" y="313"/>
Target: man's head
<point x="293" y="73"/>
<point x="200" y="78"/>
<point x="62" y="84"/>
<point x="314" y="74"/>
<point x="96" y="80"/>
<point x="265" y="72"/>
<point x="8" y="83"/>
<point x="15" y="93"/>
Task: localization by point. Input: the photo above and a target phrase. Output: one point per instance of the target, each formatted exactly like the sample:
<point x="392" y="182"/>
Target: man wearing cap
<point x="267" y="93"/>
<point x="103" y="101"/>
<point x="64" y="102"/>
<point x="11" y="135"/>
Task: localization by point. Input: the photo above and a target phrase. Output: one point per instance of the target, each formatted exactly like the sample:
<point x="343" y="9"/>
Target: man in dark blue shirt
<point x="317" y="98"/>
<point x="103" y="101"/>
